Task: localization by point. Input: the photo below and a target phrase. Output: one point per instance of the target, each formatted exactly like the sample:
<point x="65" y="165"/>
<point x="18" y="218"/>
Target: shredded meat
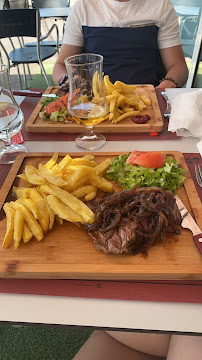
<point x="131" y="221"/>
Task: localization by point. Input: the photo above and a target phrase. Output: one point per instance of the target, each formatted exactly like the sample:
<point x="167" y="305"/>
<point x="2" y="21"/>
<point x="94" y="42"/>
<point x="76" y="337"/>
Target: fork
<point x="198" y="172"/>
<point x="168" y="108"/>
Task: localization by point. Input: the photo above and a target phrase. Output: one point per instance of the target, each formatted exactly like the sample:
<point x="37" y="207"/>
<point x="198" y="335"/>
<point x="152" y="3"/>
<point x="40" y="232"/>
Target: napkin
<point x="186" y="114"/>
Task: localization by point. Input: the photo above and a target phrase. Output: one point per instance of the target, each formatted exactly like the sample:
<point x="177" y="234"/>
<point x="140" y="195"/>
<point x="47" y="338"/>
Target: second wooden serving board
<point x="155" y="124"/>
<point x="67" y="252"/>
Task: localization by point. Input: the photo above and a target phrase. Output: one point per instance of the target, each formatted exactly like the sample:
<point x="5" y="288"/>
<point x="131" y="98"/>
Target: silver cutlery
<point x="189" y="223"/>
<point x="49" y="95"/>
<point x="168" y="108"/>
<point x="198" y="173"/>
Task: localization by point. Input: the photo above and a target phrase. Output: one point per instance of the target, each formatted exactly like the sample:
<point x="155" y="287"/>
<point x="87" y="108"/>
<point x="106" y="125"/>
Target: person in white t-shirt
<point x="139" y="40"/>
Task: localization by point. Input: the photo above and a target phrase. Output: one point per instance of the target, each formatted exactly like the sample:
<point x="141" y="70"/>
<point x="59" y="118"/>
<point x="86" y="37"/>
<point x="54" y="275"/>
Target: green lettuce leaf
<point x="169" y="177"/>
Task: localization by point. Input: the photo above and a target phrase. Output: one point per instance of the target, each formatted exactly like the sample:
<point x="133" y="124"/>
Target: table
<point x="54" y="12"/>
<point x="118" y="314"/>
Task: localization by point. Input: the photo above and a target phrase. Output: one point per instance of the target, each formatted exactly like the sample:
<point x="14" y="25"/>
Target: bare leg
<point x="153" y="344"/>
<point x="185" y="347"/>
<point x="102" y="346"/>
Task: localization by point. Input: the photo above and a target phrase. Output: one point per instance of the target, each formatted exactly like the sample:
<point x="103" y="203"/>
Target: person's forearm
<point x="58" y="71"/>
<point x="178" y="73"/>
<point x="175" y="65"/>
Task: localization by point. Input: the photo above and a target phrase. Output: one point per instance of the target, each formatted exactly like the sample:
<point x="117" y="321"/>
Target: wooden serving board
<point x="68" y="252"/>
<point x="155" y="124"/>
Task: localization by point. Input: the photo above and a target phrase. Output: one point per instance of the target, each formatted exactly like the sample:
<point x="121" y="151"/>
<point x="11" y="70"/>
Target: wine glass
<point x="11" y="119"/>
<point x="87" y="102"/>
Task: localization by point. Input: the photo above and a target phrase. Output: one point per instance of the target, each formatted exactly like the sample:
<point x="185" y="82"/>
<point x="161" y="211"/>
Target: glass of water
<point x="11" y="119"/>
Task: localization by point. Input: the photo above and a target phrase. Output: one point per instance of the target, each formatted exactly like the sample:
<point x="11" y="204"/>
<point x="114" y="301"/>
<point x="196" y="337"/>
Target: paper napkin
<point x="186" y="114"/>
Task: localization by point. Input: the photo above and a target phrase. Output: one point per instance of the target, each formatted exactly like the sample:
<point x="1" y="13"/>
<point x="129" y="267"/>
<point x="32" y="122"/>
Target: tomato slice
<point x="53" y="106"/>
<point x="133" y="156"/>
<point x="151" y="160"/>
<point x="57" y="105"/>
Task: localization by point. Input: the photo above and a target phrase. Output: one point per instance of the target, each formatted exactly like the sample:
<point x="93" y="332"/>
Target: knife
<point x="189" y="223"/>
<point x="27" y="93"/>
<point x="31" y="93"/>
<point x="168" y="108"/>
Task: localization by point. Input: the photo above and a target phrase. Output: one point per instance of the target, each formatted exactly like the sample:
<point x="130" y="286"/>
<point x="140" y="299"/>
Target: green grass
<point x="38" y="80"/>
<point x="40" y="342"/>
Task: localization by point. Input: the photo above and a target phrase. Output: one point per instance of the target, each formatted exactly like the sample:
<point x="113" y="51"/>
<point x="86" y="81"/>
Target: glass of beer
<point x="87" y="102"/>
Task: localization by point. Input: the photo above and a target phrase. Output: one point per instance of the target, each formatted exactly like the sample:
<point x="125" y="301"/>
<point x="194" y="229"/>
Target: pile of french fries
<point x="53" y="193"/>
<point x="123" y="100"/>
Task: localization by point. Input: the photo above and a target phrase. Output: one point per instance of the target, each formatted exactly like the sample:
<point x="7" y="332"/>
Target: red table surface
<point x="30" y="103"/>
<point x="160" y="291"/>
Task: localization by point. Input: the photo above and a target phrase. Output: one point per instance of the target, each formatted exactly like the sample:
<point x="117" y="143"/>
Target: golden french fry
<point x="125" y="88"/>
<point x="118" y="85"/>
<point x="121" y="100"/>
<point x="30" y="220"/>
<point x="33" y="176"/>
<point x="127" y="109"/>
<point x="142" y="105"/>
<point x="112" y="108"/>
<point x="18" y="228"/>
<point x="91" y="195"/>
<point x="101" y="183"/>
<point x="10" y="214"/>
<point x="43" y="215"/>
<point x="88" y="157"/>
<point x="27" y="234"/>
<point x="146" y="100"/>
<point x="21" y="192"/>
<point x="63" y="211"/>
<point x="109" y="86"/>
<point x="81" y="161"/>
<point x="83" y="191"/>
<point x="125" y="115"/>
<point x="50" y="212"/>
<point x="95" y="83"/>
<point x="103" y="166"/>
<point x="30" y="205"/>
<point x="77" y="184"/>
<point x="59" y="220"/>
<point x="23" y="177"/>
<point x="51" y="177"/>
<point x="111" y="97"/>
<point x="57" y="168"/>
<point x="52" y="161"/>
<point x="75" y="204"/>
<point x="77" y="172"/>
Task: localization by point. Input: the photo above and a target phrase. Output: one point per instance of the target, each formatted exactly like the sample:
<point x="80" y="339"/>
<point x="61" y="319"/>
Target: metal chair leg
<point x="19" y="77"/>
<point x="44" y="73"/>
<point x="24" y="76"/>
<point x="29" y="72"/>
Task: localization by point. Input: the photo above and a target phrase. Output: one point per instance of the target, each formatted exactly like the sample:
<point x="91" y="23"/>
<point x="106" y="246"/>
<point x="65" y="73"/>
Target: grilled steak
<point x="133" y="220"/>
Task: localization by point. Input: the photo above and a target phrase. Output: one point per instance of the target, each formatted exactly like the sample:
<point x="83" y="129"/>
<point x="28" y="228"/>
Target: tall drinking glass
<point x="11" y="119"/>
<point x="87" y="102"/>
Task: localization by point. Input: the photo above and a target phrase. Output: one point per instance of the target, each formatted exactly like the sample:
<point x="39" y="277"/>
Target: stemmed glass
<point x="11" y="119"/>
<point x="87" y="102"/>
